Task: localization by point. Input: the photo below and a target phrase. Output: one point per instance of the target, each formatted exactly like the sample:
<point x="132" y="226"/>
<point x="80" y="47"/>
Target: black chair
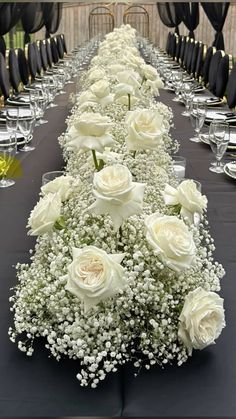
<point x="4" y="78"/>
<point x="189" y="56"/>
<point x="173" y="45"/>
<point x="206" y="65"/>
<point x="223" y="75"/>
<point x="38" y="59"/>
<point x="231" y="89"/>
<point x="213" y="68"/>
<point x="192" y="67"/>
<point x="182" y="49"/>
<point x="14" y="71"/>
<point x="64" y="43"/>
<point x="60" y="47"/>
<point x="186" y="52"/>
<point x="32" y="61"/>
<point x="178" y="47"/>
<point x="168" y="41"/>
<point x="49" y="52"/>
<point x="2" y="46"/>
<point x="200" y="61"/>
<point x="43" y="53"/>
<point x="55" y="55"/>
<point x="23" y="66"/>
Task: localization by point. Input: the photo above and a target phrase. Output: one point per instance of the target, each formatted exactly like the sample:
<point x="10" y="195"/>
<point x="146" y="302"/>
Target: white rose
<point x="87" y="98"/>
<point x="172" y="241"/>
<point x="149" y="72"/>
<point x="45" y="214"/>
<point x="95" y="74"/>
<point x="116" y="194"/>
<point x="186" y="195"/>
<point x="145" y="129"/>
<point x="90" y="132"/>
<point x="94" y="275"/>
<point x="101" y="88"/>
<point x="121" y="94"/>
<point x="115" y="68"/>
<point x="201" y="320"/>
<point x="101" y="91"/>
<point x="155" y="86"/>
<point x="129" y="77"/>
<point x="63" y="186"/>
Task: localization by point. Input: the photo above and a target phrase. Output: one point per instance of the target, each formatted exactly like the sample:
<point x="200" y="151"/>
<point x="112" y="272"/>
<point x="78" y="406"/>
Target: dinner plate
<point x="22" y="112"/>
<point x="231" y="146"/>
<point x="19" y="101"/>
<point x="228" y="172"/>
<point x="219" y="114"/>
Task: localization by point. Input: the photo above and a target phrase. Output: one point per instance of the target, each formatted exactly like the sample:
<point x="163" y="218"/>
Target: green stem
<point x="95" y="160"/>
<point x="119" y="247"/>
<point x="129" y="101"/>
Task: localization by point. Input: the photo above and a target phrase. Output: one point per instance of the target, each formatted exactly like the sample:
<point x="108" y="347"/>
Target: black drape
<point x="190" y="16"/>
<point x="170" y="14"/>
<point x="10" y="13"/>
<point x="216" y="13"/>
<point x="52" y="17"/>
<point x="32" y="18"/>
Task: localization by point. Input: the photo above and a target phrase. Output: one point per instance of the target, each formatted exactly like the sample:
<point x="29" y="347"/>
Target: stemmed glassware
<point x="42" y="105"/>
<point x="219" y="138"/>
<point x="26" y="126"/>
<point x="12" y="116"/>
<point x="177" y="80"/>
<point x="188" y="95"/>
<point x="197" y="117"/>
<point x="7" y="153"/>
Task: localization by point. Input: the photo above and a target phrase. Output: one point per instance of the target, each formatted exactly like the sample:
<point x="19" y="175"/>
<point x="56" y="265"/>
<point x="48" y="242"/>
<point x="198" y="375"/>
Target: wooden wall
<point x="75" y="26"/>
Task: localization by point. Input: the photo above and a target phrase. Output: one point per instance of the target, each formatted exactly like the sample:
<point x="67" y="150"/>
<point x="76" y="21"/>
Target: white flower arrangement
<point x="125" y="277"/>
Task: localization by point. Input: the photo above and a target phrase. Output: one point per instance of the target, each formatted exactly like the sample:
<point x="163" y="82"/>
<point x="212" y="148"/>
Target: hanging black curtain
<point x="32" y="18"/>
<point x="216" y="13"/>
<point x="10" y="13"/>
<point x="190" y="16"/>
<point x="52" y="17"/>
<point x="170" y="15"/>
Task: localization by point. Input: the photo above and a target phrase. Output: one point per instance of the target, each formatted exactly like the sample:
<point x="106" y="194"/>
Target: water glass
<point x="49" y="176"/>
<point x="219" y="138"/>
<point x="188" y="95"/>
<point x="197" y="117"/>
<point x="26" y="126"/>
<point x="12" y="116"/>
<point x="7" y="153"/>
<point x="179" y="166"/>
<point x="177" y="80"/>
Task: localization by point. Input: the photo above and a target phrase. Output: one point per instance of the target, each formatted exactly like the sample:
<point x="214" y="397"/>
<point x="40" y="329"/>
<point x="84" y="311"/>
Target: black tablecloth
<point x="39" y="386"/>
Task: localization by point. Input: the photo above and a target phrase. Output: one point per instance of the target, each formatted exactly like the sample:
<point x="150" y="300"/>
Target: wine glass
<point x="51" y="88"/>
<point x="42" y="105"/>
<point x="219" y="139"/>
<point x="7" y="153"/>
<point x="177" y="80"/>
<point x="26" y="126"/>
<point x="188" y="95"/>
<point x="197" y="117"/>
<point x="12" y="116"/>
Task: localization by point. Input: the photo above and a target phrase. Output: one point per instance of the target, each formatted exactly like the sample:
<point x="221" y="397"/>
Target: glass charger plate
<point x="228" y="172"/>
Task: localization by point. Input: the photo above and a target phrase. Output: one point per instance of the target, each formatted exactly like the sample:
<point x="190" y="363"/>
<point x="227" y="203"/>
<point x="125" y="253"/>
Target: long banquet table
<point x="40" y="386"/>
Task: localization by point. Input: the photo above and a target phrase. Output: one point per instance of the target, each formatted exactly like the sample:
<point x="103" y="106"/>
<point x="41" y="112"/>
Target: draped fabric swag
<point x="170" y="14"/>
<point x="190" y="16"/>
<point x="216" y="13"/>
